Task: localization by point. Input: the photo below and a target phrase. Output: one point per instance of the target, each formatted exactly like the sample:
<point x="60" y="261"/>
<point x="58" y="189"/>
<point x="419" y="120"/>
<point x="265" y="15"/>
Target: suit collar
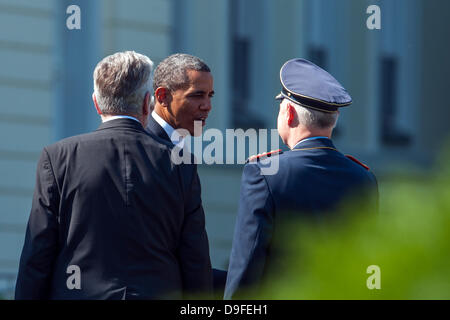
<point x="315" y="143"/>
<point x="121" y="123"/>
<point x="155" y="128"/>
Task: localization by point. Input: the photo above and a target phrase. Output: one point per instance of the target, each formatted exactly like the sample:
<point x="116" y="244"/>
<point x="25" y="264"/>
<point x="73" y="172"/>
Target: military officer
<point x="312" y="179"/>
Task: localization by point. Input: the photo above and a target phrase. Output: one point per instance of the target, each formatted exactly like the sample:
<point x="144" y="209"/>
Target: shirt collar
<point x="171" y="132"/>
<point x="119" y="117"/>
<point x="308" y="139"/>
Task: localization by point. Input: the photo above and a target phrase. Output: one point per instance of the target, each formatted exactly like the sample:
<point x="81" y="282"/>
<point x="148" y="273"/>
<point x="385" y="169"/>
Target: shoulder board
<point x="264" y="155"/>
<point x="357" y="161"/>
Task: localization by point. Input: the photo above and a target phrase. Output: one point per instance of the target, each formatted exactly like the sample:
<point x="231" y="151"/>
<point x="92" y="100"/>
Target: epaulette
<point x="357" y="161"/>
<point x="260" y="156"/>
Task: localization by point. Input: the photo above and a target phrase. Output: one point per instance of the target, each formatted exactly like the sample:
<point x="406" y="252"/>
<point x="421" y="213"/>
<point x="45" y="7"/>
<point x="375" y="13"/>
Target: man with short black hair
<point x="183" y="86"/>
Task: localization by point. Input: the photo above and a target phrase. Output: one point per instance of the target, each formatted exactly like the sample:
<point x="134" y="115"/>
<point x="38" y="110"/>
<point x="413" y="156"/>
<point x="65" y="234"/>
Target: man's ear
<point x="162" y="96"/>
<point x="290" y="114"/>
<point x="146" y="105"/>
<point x="94" y="98"/>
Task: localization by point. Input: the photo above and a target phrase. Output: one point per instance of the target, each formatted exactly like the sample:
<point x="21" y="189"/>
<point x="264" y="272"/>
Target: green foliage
<point x="409" y="240"/>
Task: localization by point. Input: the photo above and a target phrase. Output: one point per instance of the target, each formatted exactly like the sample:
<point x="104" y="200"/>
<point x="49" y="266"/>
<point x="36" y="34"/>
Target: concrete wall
<point x="26" y="74"/>
<point x="434" y="127"/>
<point x="142" y="26"/>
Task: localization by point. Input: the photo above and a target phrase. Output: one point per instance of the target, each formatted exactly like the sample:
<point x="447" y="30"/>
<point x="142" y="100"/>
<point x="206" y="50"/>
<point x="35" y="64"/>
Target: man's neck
<point x="163" y="115"/>
<point x="173" y="135"/>
<point x="294" y="139"/>
<point x="106" y="118"/>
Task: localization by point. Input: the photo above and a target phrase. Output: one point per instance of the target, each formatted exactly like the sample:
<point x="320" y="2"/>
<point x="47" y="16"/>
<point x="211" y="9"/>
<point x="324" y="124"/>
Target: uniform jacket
<point x="312" y="179"/>
<point x="112" y="204"/>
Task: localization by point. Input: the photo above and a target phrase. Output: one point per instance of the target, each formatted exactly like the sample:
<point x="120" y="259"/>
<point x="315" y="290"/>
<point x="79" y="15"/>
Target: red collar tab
<point x="264" y="155"/>
<point x="357" y="161"/>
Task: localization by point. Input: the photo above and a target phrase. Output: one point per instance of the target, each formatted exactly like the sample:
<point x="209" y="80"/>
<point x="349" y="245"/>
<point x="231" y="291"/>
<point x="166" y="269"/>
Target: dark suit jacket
<point x="219" y="276"/>
<point x="311" y="180"/>
<point x="112" y="203"/>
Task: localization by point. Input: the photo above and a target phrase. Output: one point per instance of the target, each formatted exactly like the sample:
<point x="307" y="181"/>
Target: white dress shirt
<point x="119" y="117"/>
<point x="174" y="136"/>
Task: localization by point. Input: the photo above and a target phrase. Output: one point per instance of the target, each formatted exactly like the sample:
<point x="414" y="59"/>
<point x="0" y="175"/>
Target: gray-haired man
<point x="112" y="218"/>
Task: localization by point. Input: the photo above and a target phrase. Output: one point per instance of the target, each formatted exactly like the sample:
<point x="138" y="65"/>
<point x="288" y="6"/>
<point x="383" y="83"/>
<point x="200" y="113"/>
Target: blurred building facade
<point x="397" y="77"/>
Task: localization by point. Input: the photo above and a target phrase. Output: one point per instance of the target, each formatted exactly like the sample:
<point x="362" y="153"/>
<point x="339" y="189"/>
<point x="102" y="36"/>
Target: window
<point x="390" y="132"/>
<point x="245" y="31"/>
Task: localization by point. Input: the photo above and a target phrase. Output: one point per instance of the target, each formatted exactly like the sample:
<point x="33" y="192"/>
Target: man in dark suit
<point x="312" y="179"/>
<point x="183" y="86"/>
<point x="112" y="216"/>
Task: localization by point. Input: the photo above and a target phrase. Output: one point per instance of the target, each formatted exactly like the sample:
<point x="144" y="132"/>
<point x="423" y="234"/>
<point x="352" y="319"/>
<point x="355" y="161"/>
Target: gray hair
<point x="171" y="72"/>
<point x="314" y="118"/>
<point x="121" y="81"/>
